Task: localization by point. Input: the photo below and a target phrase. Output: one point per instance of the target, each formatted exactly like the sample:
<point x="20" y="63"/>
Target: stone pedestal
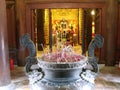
<point x="84" y="86"/>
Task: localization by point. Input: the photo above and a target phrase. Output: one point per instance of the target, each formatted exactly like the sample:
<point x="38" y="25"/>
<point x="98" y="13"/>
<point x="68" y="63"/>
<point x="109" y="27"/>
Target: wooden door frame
<point x="30" y="6"/>
<point x="117" y="56"/>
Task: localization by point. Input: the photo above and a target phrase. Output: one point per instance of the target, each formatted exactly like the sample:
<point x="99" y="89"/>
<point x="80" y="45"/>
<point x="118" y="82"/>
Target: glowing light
<point x="93" y="12"/>
<point x="93" y="29"/>
<point x="93" y="23"/>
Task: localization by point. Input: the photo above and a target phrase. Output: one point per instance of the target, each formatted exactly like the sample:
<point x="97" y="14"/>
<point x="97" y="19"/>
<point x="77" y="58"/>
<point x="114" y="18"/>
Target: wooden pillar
<point x="112" y="17"/>
<point x="4" y="57"/>
<point x="21" y="30"/>
<point x="40" y="28"/>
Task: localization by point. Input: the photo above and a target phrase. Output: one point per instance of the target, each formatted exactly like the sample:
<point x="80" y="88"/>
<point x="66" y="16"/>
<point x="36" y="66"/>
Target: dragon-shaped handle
<point x="97" y="42"/>
<point x="87" y="74"/>
<point x="26" y="42"/>
<point x="35" y="74"/>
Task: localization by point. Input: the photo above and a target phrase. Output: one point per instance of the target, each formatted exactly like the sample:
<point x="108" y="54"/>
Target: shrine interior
<point x="53" y="25"/>
<point x="69" y="27"/>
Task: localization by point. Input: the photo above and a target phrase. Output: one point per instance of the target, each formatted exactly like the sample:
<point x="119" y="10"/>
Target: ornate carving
<point x="96" y="42"/>
<point x="87" y="74"/>
<point x="25" y="41"/>
<point x="62" y="65"/>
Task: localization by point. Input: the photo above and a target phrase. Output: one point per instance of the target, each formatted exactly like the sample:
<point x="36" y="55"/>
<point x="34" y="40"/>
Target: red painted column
<point x="4" y="56"/>
<point x="21" y="24"/>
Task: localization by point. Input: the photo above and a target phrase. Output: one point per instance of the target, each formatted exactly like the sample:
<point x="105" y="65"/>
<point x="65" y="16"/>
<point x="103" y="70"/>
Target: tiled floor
<point x="108" y="78"/>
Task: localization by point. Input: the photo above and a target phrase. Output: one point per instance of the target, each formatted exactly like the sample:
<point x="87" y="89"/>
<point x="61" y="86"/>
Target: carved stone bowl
<point x="62" y="73"/>
<point x="61" y="76"/>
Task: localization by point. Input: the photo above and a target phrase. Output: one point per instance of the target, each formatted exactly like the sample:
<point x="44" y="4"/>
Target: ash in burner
<point x="67" y="54"/>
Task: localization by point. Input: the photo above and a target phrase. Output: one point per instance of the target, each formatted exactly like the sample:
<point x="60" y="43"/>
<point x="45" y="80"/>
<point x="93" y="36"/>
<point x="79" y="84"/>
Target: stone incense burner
<point x="51" y="74"/>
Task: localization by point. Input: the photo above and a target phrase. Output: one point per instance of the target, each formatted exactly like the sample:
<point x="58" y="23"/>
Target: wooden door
<point x="40" y="28"/>
<point x="98" y="29"/>
<point x="87" y="30"/>
<point x="51" y="5"/>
